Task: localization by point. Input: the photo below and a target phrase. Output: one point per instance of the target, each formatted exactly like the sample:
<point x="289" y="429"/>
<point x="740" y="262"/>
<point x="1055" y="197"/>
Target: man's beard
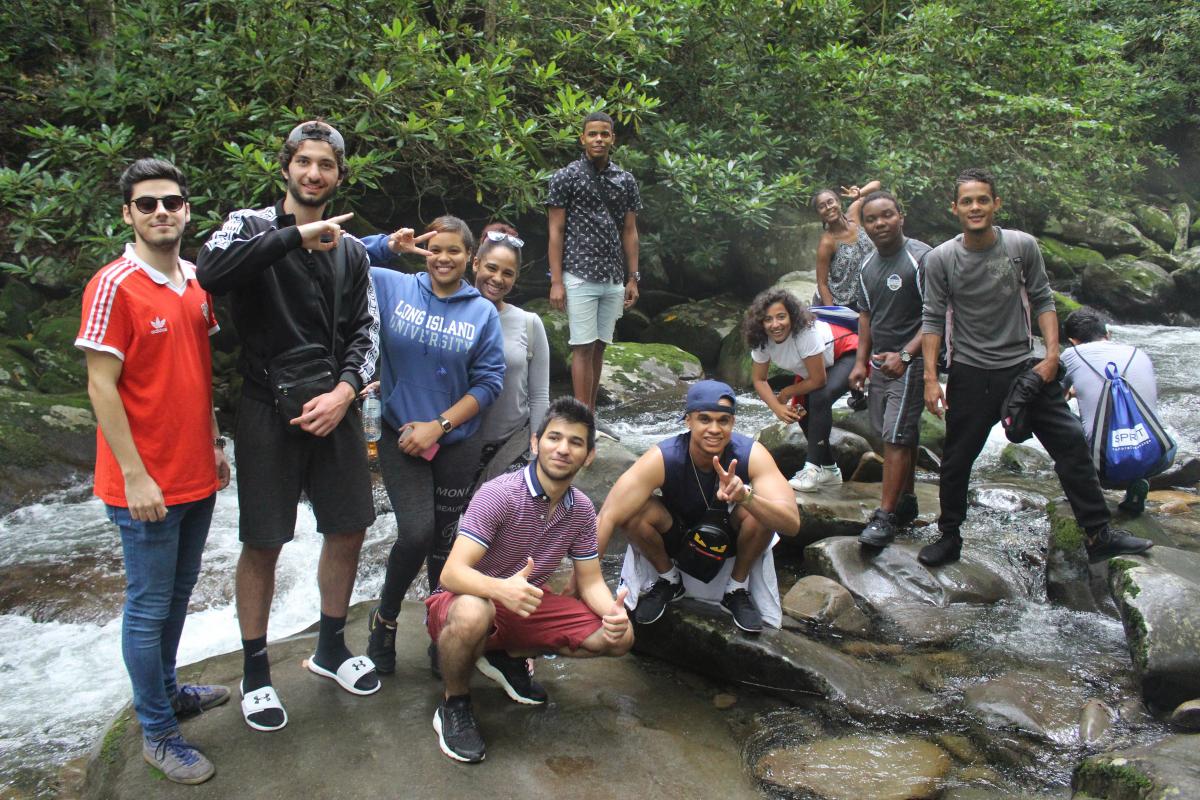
<point x="294" y="190"/>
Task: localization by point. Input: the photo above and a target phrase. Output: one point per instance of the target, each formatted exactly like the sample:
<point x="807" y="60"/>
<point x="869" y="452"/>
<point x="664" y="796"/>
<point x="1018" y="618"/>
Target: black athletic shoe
<point x="858" y="401"/>
<point x="653" y="603"/>
<point x="435" y="668"/>
<point x="513" y="676"/>
<point x="1135" y="498"/>
<point x="381" y="646"/>
<point x="1115" y="542"/>
<point x="943" y="551"/>
<point x="745" y="615"/>
<point x="458" y="730"/>
<point x="906" y="510"/>
<point x="880" y="531"/>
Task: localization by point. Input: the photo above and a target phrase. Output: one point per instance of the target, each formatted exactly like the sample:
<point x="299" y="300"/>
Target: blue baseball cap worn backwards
<point x="707" y="396"/>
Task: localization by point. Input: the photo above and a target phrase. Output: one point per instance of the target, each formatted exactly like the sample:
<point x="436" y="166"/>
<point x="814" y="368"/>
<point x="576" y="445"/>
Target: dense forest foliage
<point x="728" y="112"/>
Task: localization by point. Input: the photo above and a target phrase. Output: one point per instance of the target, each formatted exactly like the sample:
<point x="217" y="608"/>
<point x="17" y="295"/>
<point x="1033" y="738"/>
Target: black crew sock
<point x="331" y="643"/>
<point x="256" y="667"/>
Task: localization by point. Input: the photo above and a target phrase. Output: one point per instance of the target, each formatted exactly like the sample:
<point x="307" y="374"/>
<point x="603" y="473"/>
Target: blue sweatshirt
<point x="435" y="350"/>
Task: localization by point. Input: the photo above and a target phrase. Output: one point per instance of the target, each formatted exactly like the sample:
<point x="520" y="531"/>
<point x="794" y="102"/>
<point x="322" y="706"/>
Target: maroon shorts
<point x="558" y="623"/>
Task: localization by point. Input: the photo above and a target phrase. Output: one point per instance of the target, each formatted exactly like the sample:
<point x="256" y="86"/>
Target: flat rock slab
<point x="611" y="728"/>
<point x="701" y="637"/>
<point x="1158" y="595"/>
<point x="1046" y="707"/>
<point x="854" y="767"/>
<point x="1167" y="769"/>
<point x="844" y="511"/>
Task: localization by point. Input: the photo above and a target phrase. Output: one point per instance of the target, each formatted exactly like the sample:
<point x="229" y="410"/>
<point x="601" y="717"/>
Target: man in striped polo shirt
<point x="159" y="456"/>
<point x="491" y="611"/>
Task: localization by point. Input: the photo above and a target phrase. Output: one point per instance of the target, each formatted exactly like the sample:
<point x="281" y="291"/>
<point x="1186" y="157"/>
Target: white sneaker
<point x="814" y="476"/>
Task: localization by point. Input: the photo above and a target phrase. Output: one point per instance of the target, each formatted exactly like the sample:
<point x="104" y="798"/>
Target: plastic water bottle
<point x="371" y="420"/>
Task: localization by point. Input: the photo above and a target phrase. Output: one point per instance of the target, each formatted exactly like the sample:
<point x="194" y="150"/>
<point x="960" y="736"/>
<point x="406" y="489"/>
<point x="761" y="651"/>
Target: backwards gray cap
<point x="317" y="131"/>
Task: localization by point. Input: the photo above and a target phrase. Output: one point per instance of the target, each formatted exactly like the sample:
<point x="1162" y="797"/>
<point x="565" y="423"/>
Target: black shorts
<point x="275" y="465"/>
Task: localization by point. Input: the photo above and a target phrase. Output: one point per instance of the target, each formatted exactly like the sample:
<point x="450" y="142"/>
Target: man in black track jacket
<point x="302" y="300"/>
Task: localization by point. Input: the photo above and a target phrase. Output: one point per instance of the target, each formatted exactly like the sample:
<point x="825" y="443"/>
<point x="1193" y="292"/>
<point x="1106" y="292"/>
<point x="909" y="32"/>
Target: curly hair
<point x="752" y="323"/>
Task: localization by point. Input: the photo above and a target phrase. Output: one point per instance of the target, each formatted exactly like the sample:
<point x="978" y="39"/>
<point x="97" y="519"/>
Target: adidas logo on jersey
<point x="158" y="325"/>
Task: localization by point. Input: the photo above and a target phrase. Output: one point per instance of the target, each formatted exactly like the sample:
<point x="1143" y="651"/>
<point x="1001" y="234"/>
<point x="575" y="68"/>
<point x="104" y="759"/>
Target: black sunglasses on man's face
<point x="148" y="205"/>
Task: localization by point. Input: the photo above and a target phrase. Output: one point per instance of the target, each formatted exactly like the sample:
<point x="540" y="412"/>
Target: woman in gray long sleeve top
<point x="519" y="409"/>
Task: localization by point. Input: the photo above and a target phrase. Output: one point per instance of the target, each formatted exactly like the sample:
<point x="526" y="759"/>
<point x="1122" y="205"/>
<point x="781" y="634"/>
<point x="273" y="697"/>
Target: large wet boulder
<point x="558" y="335"/>
<point x="851" y="767"/>
<point x="802" y="283"/>
<point x="1100" y="231"/>
<point x="933" y="430"/>
<point x="47" y="442"/>
<point x="912" y="602"/>
<point x="382" y="746"/>
<point x="788" y="446"/>
<point x="818" y="602"/>
<point x="698" y="327"/>
<point x="1164" y="770"/>
<point x="1024" y="459"/>
<point x="611" y="462"/>
<point x="1130" y="289"/>
<point x="790" y="243"/>
<point x="1181" y="218"/>
<point x="1187" y="280"/>
<point x="1158" y="595"/>
<point x="701" y="637"/>
<point x="17" y="303"/>
<point x="1066" y="262"/>
<point x="1042" y="706"/>
<point x="734" y="365"/>
<point x="634" y="371"/>
<point x="1156" y="224"/>
<point x="844" y="510"/>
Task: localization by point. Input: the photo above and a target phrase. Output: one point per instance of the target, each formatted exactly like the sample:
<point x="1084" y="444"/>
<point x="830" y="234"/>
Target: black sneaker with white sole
<point x="458" y="730"/>
<point x="653" y="603"/>
<point x="1115" y="542"/>
<point x="512" y="674"/>
<point x="745" y="615"/>
<point x="880" y="531"/>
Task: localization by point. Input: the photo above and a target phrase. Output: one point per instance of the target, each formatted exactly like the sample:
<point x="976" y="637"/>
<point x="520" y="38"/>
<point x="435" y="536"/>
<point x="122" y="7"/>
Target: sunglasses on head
<point x="501" y="236"/>
<point x="148" y="205"/>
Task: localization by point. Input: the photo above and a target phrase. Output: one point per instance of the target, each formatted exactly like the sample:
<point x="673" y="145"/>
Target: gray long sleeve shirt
<point x="526" y="394"/>
<point x="986" y="302"/>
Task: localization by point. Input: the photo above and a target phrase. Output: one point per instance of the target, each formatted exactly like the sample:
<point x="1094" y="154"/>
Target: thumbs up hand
<point x="517" y="594"/>
<point x="616" y="621"/>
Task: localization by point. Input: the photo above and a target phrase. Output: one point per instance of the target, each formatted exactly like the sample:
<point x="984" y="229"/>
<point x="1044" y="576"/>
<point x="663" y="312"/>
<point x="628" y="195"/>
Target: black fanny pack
<point x="297" y="376"/>
<point x="707" y="545"/>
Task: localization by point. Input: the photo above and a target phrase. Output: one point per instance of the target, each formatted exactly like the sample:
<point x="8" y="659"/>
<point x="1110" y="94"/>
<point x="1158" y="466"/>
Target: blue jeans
<point x="162" y="562"/>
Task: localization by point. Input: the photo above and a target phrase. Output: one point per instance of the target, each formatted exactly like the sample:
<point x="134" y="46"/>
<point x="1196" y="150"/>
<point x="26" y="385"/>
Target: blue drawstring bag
<point x="1128" y="440"/>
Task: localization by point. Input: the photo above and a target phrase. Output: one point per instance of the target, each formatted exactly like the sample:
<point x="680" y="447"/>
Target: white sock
<point x="671" y="575"/>
<point x="735" y="585"/>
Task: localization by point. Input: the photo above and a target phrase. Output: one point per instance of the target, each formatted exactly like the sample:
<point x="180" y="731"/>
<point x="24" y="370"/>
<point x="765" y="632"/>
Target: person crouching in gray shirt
<point x="983" y="290"/>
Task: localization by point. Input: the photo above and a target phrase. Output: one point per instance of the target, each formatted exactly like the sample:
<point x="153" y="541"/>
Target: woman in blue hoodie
<point x="442" y="362"/>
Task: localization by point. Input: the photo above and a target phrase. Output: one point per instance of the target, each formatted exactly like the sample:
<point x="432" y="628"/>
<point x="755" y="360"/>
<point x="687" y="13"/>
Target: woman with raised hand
<point x="442" y="363"/>
<point x="844" y="245"/>
<point x="506" y="425"/>
<point x="780" y="330"/>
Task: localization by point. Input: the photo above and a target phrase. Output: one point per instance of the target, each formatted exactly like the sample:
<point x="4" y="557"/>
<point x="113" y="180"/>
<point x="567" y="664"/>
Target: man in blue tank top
<point x="714" y="482"/>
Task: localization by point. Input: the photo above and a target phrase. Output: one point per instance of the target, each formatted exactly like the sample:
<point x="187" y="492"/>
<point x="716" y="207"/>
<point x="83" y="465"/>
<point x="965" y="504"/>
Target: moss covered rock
<point x="1064" y="304"/>
<point x="557" y="334"/>
<point x="1181" y="219"/>
<point x="1065" y="262"/>
<point x="1156" y="224"/>
<point x="17" y="304"/>
<point x="1158" y="595"/>
<point x="1187" y="280"/>
<point x="1169" y="768"/>
<point x="1130" y="289"/>
<point x="699" y="327"/>
<point x="734" y="365"/>
<point x="47" y="442"/>
<point x="16" y="368"/>
<point x="1100" y="231"/>
<point x="1024" y="460"/>
<point x="633" y="371"/>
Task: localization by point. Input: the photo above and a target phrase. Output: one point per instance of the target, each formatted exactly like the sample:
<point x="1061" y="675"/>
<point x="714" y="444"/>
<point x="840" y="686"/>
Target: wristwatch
<point x="219" y="441"/>
<point x="636" y="277"/>
<point x="446" y="424"/>
<point x="905" y="356"/>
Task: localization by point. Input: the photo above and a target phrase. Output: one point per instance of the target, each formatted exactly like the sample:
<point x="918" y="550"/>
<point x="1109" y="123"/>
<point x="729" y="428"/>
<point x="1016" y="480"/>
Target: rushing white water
<point x="60" y="681"/>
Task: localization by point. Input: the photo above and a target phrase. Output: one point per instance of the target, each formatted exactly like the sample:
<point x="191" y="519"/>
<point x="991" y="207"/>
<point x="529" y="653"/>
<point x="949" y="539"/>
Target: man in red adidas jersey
<point x="159" y="456"/>
<point x="491" y="611"/>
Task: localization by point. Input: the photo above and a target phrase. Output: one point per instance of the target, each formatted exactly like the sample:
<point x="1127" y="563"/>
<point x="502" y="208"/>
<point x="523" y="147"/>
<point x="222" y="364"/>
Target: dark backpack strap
<point x="339" y="267"/>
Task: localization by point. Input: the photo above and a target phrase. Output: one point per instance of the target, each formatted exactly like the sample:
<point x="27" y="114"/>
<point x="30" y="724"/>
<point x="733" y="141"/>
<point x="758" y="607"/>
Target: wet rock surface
<point x="698" y="326"/>
<point x="1158" y="595"/>
<point x="47" y="442"/>
<point x="1130" y="288"/>
<point x="821" y="602"/>
<point x="1029" y="703"/>
<point x="1166" y="769"/>
<point x="848" y="768"/>
<point x="610" y="728"/>
<point x="633" y="371"/>
<point x="844" y="510"/>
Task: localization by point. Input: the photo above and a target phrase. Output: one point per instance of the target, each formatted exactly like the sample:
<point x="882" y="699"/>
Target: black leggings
<point x="818" y="422"/>
<point x="427" y="498"/>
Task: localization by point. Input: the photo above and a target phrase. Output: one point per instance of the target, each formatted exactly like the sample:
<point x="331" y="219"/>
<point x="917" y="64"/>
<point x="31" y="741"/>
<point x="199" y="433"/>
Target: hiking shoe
<point x="653" y="603"/>
<point x="604" y="429"/>
<point x="1135" y="498"/>
<point x="814" y="476"/>
<point x="880" y="530"/>
<point x="943" y="551"/>
<point x="176" y="759"/>
<point x="745" y="615"/>
<point x="906" y="510"/>
<point x="513" y="675"/>
<point x="1111" y="542"/>
<point x="435" y="668"/>
<point x="381" y="646"/>
<point x="458" y="730"/>
<point x="192" y="699"/>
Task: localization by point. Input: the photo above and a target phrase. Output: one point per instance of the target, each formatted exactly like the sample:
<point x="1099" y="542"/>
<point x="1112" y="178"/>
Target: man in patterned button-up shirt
<point x="593" y="207"/>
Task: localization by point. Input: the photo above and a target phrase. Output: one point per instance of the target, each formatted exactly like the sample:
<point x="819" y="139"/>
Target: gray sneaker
<point x="179" y="761"/>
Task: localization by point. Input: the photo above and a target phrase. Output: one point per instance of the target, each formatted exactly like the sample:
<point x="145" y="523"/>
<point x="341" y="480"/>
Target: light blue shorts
<point x="592" y="309"/>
